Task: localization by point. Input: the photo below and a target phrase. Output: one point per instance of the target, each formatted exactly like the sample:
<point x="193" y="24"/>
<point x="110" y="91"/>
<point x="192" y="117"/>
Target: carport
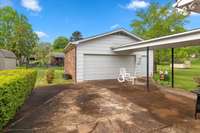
<point x="189" y="38"/>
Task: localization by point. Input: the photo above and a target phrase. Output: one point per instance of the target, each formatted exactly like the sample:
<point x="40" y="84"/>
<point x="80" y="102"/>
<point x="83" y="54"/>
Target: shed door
<point x="99" y="67"/>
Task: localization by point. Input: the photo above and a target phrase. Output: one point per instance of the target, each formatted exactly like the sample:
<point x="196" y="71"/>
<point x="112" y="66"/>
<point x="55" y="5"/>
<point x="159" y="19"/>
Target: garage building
<point x="93" y="58"/>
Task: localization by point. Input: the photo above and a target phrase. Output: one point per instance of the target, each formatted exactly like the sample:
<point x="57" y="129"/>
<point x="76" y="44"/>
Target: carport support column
<point x="172" y="67"/>
<point x="147" y="69"/>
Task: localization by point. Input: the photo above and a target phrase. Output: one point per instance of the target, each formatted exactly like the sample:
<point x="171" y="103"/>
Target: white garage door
<point x="98" y="67"/>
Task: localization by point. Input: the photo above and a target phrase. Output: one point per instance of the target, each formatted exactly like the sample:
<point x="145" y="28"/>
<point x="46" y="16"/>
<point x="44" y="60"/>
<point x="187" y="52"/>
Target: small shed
<point x="7" y="60"/>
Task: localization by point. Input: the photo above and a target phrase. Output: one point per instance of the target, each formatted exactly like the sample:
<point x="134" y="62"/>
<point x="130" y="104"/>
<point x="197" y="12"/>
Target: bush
<point x="67" y="76"/>
<point x="197" y="80"/>
<point x="50" y="76"/>
<point x="15" y="86"/>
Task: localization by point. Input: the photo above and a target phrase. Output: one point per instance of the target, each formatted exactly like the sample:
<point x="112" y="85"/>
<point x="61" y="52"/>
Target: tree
<point x="159" y="21"/>
<point x="76" y="36"/>
<point x="42" y="53"/>
<point x="60" y="43"/>
<point x="16" y="34"/>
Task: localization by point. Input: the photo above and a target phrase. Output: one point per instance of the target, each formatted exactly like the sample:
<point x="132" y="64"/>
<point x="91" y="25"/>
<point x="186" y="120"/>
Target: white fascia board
<point x="106" y="34"/>
<point x="68" y="45"/>
<point x="182" y="3"/>
<point x="177" y="40"/>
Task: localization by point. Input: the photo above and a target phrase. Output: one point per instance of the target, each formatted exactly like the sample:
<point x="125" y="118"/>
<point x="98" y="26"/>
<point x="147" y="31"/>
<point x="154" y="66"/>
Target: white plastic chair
<point x="124" y="76"/>
<point x="130" y="78"/>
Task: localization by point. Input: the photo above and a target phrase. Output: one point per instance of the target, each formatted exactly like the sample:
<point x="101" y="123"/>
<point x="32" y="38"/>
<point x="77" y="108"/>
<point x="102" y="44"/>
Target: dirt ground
<point x="109" y="107"/>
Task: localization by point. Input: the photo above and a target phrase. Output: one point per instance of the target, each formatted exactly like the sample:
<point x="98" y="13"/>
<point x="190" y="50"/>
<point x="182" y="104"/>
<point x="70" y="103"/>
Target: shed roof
<point x="6" y="54"/>
<point x="58" y="55"/>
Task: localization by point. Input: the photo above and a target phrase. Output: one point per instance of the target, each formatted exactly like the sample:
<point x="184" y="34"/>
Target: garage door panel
<point x="97" y="67"/>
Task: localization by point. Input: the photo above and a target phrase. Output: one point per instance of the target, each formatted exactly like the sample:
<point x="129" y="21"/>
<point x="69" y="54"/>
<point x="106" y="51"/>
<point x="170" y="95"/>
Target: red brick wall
<point x="70" y="62"/>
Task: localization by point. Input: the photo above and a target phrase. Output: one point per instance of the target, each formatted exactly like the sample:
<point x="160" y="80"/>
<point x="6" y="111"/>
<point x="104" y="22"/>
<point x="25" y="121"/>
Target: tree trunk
<point x="20" y="61"/>
<point x="27" y="62"/>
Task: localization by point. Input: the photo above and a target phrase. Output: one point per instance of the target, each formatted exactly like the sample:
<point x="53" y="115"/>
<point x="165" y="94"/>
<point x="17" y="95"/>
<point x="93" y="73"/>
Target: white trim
<point x="182" y="3"/>
<point x="177" y="40"/>
<point x="188" y="5"/>
<point x="104" y="34"/>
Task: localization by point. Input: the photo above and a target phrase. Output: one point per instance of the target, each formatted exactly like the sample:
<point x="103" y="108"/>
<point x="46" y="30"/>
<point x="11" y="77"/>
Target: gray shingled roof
<point x="6" y="54"/>
<point x="58" y="55"/>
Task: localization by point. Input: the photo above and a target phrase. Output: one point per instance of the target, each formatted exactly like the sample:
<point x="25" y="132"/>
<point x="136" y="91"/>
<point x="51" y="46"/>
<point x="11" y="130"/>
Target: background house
<point x="93" y="58"/>
<point x="57" y="59"/>
<point x="7" y="60"/>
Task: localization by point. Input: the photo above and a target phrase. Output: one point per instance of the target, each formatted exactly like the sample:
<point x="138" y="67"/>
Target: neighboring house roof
<point x="58" y="55"/>
<point x="105" y="34"/>
<point x="189" y="38"/>
<point x="6" y="54"/>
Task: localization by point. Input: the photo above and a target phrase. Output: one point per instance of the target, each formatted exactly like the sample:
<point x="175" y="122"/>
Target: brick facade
<point x="70" y="62"/>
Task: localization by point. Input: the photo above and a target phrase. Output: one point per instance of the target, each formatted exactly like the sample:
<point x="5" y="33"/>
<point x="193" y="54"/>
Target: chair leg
<point x="195" y="115"/>
<point x="133" y="81"/>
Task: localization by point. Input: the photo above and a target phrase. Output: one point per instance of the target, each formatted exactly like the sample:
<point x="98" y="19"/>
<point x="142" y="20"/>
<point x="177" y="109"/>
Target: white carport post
<point x="172" y="68"/>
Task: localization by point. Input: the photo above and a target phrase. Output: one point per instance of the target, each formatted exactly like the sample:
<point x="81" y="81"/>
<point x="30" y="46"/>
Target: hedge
<point x="15" y="86"/>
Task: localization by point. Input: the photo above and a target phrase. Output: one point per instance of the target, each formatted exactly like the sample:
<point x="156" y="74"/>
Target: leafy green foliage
<point x="42" y="53"/>
<point x="16" y="33"/>
<point x="76" y="36"/>
<point x="50" y="76"/>
<point x="15" y="86"/>
<point x="197" y="80"/>
<point x="60" y="43"/>
<point x="41" y="77"/>
<point x="159" y="21"/>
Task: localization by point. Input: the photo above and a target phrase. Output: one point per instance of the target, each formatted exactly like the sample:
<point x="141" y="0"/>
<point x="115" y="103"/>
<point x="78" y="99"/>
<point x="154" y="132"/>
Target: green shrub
<point x="197" y="80"/>
<point x="50" y="76"/>
<point x="15" y="86"/>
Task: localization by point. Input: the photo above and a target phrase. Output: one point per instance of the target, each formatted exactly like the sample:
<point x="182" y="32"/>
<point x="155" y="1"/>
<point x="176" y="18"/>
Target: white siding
<point x="143" y="65"/>
<point x="101" y="46"/>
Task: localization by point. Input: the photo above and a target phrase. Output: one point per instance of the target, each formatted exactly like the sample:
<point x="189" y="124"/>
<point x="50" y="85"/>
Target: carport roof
<point x="189" y="38"/>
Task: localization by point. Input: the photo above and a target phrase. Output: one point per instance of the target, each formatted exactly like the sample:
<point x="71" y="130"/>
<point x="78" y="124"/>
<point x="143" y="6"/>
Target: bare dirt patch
<point x="110" y="107"/>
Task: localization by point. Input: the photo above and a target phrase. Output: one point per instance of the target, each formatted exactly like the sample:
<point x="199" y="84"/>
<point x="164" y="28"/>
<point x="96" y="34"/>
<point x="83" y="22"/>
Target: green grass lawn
<point x="183" y="77"/>
<point x="41" y="76"/>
